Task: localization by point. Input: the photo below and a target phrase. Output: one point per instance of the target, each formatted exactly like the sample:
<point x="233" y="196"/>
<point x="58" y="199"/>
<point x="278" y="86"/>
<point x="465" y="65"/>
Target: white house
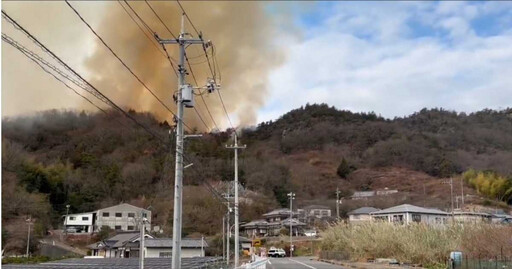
<point x="471" y="217"/>
<point x="122" y="217"/>
<point x="406" y="214"/>
<point x="361" y="214"/>
<point x="79" y="223"/>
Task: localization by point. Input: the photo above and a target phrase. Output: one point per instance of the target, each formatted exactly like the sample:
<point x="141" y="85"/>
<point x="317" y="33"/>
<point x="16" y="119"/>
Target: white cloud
<point x="368" y="59"/>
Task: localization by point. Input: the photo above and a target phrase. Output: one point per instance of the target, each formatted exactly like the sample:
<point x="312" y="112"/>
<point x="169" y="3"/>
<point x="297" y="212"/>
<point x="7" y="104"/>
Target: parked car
<point x="276" y="253"/>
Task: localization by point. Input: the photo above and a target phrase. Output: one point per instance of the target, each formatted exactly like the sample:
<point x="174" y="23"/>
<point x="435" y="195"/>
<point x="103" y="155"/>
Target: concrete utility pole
<point x="228" y="236"/>
<point x="462" y="191"/>
<point x="142" y="238"/>
<point x="451" y="192"/>
<point x="291" y="196"/>
<point x="29" y="222"/>
<point x="223" y="238"/>
<point x="337" y="204"/>
<point x="66" y="221"/>
<point x="182" y="41"/>
<point x="237" y="236"/>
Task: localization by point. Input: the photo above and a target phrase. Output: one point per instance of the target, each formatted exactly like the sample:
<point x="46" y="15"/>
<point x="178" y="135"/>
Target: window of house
<point x="398" y="218"/>
<point x="85" y="218"/>
<point x="131" y="215"/>
<point x="144" y="215"/>
<point x="165" y="254"/>
<point x="72" y="218"/>
<point x="356" y="216"/>
<point x="118" y="227"/>
<point x="381" y="218"/>
<point x="119" y="214"/>
<point x="131" y="228"/>
<point x="416" y="217"/>
<point x="106" y="214"/>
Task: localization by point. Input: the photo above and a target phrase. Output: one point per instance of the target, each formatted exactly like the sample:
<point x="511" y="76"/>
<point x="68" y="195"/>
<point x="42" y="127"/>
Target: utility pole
<point x="142" y="246"/>
<point x="202" y="246"/>
<point x="182" y="41"/>
<point x="291" y="196"/>
<point x="29" y="222"/>
<point x="237" y="239"/>
<point x="228" y="232"/>
<point x="228" y="235"/>
<point x="462" y="191"/>
<point x="337" y="204"/>
<point x="66" y="221"/>
<point x="223" y="238"/>
<point x="451" y="192"/>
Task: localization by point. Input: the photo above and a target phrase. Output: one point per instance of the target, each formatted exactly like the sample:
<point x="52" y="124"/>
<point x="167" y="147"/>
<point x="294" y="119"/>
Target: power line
<point x="166" y="55"/>
<point x="195" y="80"/>
<point x="169" y="58"/>
<point x="143" y="22"/>
<point x="140" y="27"/>
<point x="165" y="25"/>
<point x="91" y="89"/>
<point x="122" y="62"/>
<point x="188" y="18"/>
<point x="27" y="53"/>
<point x="209" y="65"/>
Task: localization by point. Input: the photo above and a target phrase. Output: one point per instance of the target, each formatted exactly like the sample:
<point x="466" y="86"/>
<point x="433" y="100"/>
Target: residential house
<point x="256" y="228"/>
<point x="122" y="245"/>
<point x="79" y="223"/>
<point x="406" y="214"/>
<point x="360" y="195"/>
<point x="127" y="245"/>
<point x="316" y="211"/>
<point x="274" y="221"/>
<point x="361" y="214"/>
<point x="471" y="217"/>
<point x="122" y="217"/>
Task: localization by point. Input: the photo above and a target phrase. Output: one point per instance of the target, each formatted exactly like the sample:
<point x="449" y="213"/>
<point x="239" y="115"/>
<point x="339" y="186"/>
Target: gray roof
<point x="124" y="206"/>
<point x="295" y="222"/>
<point x="281" y="211"/>
<point x="118" y="240"/>
<point x="472" y="213"/>
<point x="409" y="208"/>
<point x="167" y="243"/>
<point x="363" y="211"/>
<point x="259" y="222"/>
<point x="311" y="207"/>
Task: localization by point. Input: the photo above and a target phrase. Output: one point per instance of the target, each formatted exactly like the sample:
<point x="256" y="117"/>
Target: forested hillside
<point x="91" y="160"/>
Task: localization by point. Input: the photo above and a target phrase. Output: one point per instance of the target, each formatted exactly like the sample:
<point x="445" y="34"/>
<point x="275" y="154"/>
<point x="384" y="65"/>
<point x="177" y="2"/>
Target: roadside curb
<point x="362" y="266"/>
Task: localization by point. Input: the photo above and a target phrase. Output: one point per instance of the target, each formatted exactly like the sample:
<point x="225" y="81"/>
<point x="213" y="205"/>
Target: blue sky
<point x="395" y="58"/>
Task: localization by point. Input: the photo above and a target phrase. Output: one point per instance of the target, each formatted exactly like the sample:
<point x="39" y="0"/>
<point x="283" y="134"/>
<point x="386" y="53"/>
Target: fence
<point x="334" y="255"/>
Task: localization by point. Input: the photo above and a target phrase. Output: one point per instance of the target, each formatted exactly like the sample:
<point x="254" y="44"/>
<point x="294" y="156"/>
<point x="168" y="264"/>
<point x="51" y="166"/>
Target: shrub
<point x="415" y="243"/>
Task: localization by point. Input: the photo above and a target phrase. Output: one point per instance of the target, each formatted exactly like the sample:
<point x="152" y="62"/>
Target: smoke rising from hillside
<point x="242" y="37"/>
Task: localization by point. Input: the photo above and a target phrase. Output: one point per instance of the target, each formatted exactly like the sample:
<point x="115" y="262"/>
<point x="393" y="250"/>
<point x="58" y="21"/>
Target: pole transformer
<point x="183" y="42"/>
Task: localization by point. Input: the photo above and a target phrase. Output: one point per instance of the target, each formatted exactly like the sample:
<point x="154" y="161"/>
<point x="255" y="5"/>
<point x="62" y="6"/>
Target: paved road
<point x="299" y="263"/>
